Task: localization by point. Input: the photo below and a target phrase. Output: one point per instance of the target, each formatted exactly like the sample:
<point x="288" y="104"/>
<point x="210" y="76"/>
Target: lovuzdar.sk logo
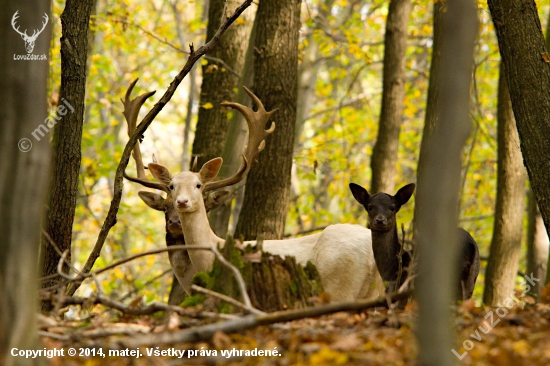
<point x="29" y="40"/>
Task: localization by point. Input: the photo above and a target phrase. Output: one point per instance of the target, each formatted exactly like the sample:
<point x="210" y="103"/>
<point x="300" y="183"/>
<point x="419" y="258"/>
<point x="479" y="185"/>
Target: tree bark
<point x="509" y="209"/>
<point x="218" y="83"/>
<point x="235" y="139"/>
<point x="68" y="135"/>
<point x="434" y="86"/>
<point x="537" y="245"/>
<point x="384" y="154"/>
<point x="275" y="82"/>
<point x="527" y="72"/>
<point x="439" y="180"/>
<point x="23" y="176"/>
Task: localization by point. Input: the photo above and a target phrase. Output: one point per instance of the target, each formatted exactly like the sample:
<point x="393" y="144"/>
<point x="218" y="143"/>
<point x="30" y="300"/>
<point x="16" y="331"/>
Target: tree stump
<point x="273" y="283"/>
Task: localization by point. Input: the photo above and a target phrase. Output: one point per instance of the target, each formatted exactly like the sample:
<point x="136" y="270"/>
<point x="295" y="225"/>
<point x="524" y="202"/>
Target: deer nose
<point x="173" y="222"/>
<point x="380" y="220"/>
<point x="182" y="202"/>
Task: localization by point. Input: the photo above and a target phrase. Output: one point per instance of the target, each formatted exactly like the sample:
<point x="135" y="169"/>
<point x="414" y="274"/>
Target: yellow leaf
<point x="240" y="21"/>
<point x="208" y="105"/>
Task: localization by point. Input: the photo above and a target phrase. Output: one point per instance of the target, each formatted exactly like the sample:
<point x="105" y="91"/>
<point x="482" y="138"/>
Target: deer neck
<point x="197" y="231"/>
<point x="386" y="247"/>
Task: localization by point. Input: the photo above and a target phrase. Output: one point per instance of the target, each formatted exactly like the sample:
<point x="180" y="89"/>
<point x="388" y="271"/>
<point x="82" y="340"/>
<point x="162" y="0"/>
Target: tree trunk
<point x="68" y="135"/>
<point x="218" y="83"/>
<point x="439" y="180"/>
<point x="527" y="70"/>
<point x="537" y="245"/>
<point x="235" y="139"/>
<point x="24" y="173"/>
<point x="434" y="86"/>
<point x="384" y="154"/>
<point x="502" y="267"/>
<point x="275" y="82"/>
<point x="307" y="73"/>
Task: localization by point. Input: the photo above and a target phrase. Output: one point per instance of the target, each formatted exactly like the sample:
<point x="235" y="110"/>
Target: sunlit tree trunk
<point x="275" y="82"/>
<point x="68" y="136"/>
<point x="439" y="180"/>
<point x="384" y="154"/>
<point x="509" y="209"/>
<point x="527" y="72"/>
<point x="23" y="176"/>
<point x="219" y="81"/>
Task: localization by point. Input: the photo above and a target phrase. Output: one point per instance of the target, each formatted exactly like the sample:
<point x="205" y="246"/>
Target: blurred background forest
<point x="341" y="51"/>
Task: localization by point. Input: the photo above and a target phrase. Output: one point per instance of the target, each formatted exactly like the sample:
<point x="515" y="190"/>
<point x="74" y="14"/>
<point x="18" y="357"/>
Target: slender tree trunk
<point x="24" y="173"/>
<point x="527" y="72"/>
<point x="509" y="210"/>
<point x="219" y="83"/>
<point x="235" y="139"/>
<point x="68" y="135"/>
<point x="275" y="82"/>
<point x="439" y="180"/>
<point x="384" y="154"/>
<point x="434" y="86"/>
<point x="307" y="73"/>
<point x="537" y="245"/>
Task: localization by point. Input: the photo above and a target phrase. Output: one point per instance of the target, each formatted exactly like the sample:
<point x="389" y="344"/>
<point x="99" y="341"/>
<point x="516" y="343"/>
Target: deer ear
<point x="210" y="169"/>
<point x="404" y="194"/>
<point x="153" y="200"/>
<point x="160" y="173"/>
<point x="361" y="195"/>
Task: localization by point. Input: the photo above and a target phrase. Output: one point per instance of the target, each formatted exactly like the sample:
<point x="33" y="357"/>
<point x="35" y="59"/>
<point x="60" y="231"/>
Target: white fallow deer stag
<point x="179" y="260"/>
<point x="342" y="253"/>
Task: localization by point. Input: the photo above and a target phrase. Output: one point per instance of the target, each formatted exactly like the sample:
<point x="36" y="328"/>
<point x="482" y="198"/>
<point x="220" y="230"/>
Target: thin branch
<point x="194" y="56"/>
<point x="206" y="332"/>
<point x="227" y="299"/>
<point x="176" y="48"/>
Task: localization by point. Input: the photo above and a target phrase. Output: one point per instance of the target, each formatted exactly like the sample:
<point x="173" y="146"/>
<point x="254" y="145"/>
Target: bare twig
<point x="206" y="332"/>
<point x="60" y="265"/>
<point x="227" y="299"/>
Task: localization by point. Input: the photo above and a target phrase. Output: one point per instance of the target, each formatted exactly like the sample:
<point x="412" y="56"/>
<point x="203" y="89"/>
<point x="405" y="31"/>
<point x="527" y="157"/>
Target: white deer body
<point x="342" y="253"/>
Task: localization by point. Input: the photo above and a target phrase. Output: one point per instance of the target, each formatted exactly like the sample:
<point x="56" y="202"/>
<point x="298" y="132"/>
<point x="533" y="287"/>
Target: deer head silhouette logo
<point x="29" y="40"/>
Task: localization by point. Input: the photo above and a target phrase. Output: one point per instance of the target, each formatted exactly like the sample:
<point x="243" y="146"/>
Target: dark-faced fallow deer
<point x="382" y="209"/>
<point x="342" y="253"/>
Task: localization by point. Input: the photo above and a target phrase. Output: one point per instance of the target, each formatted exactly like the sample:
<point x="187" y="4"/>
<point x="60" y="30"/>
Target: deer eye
<point x="369" y="208"/>
<point x="199" y="186"/>
<point x="171" y="187"/>
<point x="392" y="208"/>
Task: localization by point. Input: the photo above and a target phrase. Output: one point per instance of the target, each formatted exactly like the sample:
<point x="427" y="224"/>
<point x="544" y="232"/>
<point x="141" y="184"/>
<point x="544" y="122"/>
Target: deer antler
<point x="257" y="133"/>
<point x="131" y="111"/>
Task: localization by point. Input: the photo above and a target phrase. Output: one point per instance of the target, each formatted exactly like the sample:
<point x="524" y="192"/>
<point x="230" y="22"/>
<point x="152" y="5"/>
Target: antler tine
<point x="131" y="111"/>
<point x="256" y="138"/>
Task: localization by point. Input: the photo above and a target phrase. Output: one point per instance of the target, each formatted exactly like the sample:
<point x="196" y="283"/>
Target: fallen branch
<point x="206" y="332"/>
<point x="110" y="220"/>
<point x="147" y="310"/>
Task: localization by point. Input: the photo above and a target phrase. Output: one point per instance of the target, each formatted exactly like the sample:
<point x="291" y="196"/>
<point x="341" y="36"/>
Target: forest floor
<point x="486" y="336"/>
